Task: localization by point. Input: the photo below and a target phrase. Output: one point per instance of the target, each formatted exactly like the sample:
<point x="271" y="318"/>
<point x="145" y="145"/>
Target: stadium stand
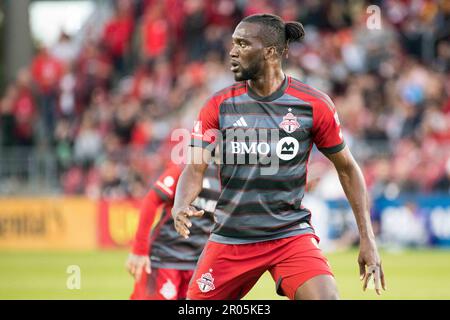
<point x="94" y="117"/>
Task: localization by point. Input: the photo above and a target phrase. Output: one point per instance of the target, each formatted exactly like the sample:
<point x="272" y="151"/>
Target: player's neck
<point x="269" y="82"/>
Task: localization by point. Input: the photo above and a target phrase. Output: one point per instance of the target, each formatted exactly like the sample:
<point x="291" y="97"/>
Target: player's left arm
<point x="328" y="138"/>
<point x="352" y="181"/>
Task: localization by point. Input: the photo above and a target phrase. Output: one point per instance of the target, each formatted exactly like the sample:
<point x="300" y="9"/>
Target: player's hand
<point x="181" y="218"/>
<point x="137" y="264"/>
<point x="369" y="257"/>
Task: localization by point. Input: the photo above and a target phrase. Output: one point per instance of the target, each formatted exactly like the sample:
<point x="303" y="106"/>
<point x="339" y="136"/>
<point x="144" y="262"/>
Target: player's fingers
<point x="132" y="269"/>
<point x="185" y="233"/>
<point x="182" y="229"/>
<point x="147" y="266"/>
<point x="383" y="282"/>
<point x="371" y="270"/>
<point x="362" y="270"/>
<point x="366" y="280"/>
<point x="129" y="265"/>
<point x="195" y="213"/>
<point x="137" y="275"/>
<point x="377" y="280"/>
<point x="184" y="220"/>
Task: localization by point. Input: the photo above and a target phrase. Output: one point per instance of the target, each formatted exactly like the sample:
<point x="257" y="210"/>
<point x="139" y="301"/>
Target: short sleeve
<point x="166" y="184"/>
<point x="327" y="132"/>
<point x="206" y="127"/>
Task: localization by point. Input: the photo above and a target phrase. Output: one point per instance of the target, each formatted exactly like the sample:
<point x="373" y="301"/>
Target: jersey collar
<point x="277" y="94"/>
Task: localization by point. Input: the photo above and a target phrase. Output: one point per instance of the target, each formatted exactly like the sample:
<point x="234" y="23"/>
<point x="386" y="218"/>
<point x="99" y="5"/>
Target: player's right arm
<point x="138" y="260"/>
<point x="204" y="137"/>
<point x="189" y="187"/>
<point x="162" y="192"/>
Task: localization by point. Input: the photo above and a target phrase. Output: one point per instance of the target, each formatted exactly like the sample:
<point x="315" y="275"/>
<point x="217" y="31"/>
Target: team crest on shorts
<point x="168" y="290"/>
<point x="206" y="283"/>
<point x="289" y="123"/>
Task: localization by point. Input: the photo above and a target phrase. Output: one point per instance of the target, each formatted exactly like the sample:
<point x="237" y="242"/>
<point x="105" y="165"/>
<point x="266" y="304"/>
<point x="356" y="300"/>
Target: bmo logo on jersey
<point x="262" y="148"/>
<point x="287" y="148"/>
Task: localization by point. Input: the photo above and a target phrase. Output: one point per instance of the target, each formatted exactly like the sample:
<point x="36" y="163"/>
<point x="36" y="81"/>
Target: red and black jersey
<point x="265" y="143"/>
<point x="166" y="247"/>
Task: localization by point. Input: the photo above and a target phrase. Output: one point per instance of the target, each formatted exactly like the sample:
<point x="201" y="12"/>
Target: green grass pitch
<point x="421" y="274"/>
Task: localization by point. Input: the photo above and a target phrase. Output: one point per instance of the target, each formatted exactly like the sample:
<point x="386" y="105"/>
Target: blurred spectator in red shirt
<point x="25" y="110"/>
<point x="47" y="71"/>
<point x="154" y="32"/>
<point x="117" y="34"/>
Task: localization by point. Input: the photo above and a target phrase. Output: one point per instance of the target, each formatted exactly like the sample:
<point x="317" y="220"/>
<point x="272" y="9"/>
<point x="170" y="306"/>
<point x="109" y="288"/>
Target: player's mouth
<point x="234" y="66"/>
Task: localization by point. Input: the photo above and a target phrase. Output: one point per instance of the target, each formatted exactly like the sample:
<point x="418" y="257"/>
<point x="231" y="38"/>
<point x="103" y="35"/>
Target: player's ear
<point x="270" y="52"/>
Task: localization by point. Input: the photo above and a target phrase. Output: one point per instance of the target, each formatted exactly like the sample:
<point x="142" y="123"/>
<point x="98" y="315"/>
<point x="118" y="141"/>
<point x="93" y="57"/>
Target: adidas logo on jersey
<point x="240" y="123"/>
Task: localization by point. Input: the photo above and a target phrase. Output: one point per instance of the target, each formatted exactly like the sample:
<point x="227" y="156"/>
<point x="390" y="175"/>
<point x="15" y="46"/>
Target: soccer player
<point x="260" y="223"/>
<point x="162" y="264"/>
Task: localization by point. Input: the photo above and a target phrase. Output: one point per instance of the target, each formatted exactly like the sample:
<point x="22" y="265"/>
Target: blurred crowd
<point x="106" y="108"/>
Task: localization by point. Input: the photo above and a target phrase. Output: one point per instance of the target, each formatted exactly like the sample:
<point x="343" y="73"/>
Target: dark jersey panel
<point x="169" y="249"/>
<point x="275" y="132"/>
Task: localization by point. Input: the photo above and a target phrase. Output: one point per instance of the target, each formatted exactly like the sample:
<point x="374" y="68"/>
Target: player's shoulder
<point x="168" y="179"/>
<point x="173" y="168"/>
<point x="233" y="90"/>
<point x="306" y="92"/>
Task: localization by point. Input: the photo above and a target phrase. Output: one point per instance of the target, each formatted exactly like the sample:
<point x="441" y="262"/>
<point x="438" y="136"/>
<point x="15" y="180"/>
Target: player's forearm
<point x="352" y="181"/>
<point x="189" y="185"/>
<point x="149" y="206"/>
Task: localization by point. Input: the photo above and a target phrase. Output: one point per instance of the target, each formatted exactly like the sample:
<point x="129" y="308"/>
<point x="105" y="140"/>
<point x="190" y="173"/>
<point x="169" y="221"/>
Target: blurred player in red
<point x="162" y="263"/>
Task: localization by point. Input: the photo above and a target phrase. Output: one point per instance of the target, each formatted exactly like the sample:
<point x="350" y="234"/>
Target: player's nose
<point x="233" y="52"/>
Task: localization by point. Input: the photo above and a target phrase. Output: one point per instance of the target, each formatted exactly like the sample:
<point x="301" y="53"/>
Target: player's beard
<point x="249" y="73"/>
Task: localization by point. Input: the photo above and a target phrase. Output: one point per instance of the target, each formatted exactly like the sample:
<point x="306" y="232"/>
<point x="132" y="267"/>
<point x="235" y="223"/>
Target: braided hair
<point x="276" y="32"/>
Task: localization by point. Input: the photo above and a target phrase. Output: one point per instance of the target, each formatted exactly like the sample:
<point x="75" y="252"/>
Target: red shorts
<point x="162" y="284"/>
<point x="229" y="271"/>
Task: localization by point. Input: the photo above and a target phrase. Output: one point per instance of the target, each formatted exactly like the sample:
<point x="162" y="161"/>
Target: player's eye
<point x="242" y="44"/>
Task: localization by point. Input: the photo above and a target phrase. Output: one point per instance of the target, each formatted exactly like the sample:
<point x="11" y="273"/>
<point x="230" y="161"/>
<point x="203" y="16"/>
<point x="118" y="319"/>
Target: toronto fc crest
<point x="289" y="123"/>
<point x="206" y="282"/>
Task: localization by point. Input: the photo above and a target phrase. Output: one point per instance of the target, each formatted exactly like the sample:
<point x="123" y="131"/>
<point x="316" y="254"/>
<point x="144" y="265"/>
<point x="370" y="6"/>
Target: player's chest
<point x="266" y="120"/>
